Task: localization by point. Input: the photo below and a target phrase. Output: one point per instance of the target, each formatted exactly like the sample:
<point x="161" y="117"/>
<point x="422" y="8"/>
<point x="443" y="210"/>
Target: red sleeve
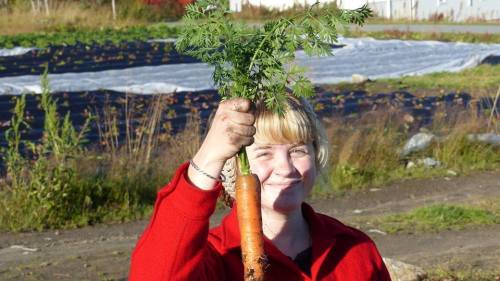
<point x="174" y="245"/>
<point x="378" y="270"/>
<point x="383" y="273"/>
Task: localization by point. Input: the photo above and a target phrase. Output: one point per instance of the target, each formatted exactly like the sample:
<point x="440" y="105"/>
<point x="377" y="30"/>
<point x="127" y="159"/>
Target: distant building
<point x="453" y="10"/>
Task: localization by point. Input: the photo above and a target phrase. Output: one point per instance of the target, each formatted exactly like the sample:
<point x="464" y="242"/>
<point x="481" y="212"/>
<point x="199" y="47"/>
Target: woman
<point x="286" y="154"/>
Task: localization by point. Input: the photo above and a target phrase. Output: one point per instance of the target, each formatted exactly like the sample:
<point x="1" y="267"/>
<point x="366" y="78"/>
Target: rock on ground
<point x="401" y="271"/>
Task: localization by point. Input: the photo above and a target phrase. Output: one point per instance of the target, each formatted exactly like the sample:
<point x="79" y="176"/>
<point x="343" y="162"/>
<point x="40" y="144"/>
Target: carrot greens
<point x="256" y="62"/>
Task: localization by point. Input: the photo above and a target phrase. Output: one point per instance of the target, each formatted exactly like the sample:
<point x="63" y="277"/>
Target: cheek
<point x="262" y="170"/>
<point x="308" y="171"/>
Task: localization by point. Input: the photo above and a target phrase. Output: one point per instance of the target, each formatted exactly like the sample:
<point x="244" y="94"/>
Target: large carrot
<point x="250" y="62"/>
<point x="250" y="220"/>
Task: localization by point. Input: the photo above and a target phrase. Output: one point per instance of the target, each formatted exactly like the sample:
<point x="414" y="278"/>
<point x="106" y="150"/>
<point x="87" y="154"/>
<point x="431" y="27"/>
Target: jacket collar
<point x="323" y="231"/>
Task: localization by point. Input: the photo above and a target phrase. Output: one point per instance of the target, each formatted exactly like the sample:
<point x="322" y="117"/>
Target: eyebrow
<point x="264" y="147"/>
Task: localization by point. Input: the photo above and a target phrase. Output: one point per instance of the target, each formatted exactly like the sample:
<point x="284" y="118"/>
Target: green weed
<point x="437" y="217"/>
<point x="41" y="193"/>
<point x="461" y="272"/>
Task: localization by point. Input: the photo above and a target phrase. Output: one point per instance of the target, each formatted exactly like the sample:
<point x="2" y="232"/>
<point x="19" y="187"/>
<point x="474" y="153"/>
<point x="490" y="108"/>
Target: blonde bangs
<point x="293" y="127"/>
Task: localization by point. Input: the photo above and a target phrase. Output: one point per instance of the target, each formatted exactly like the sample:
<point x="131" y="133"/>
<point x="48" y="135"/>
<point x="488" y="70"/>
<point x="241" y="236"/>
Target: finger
<point x="240" y="141"/>
<point x="237" y="104"/>
<point x="242" y="130"/>
<point x="241" y="118"/>
<point x="246" y="141"/>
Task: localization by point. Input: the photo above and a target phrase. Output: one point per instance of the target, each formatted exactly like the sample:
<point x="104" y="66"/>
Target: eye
<point x="262" y="154"/>
<point x="298" y="151"/>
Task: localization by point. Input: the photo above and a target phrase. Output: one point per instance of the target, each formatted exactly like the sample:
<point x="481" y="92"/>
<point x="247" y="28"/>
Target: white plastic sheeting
<point x="366" y="56"/>
<point x="14" y="51"/>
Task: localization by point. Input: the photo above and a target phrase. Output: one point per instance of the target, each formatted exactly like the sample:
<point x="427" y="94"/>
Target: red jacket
<point x="177" y="244"/>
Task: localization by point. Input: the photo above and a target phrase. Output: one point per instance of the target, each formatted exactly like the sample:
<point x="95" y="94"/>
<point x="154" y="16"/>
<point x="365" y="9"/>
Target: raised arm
<point x="174" y="245"/>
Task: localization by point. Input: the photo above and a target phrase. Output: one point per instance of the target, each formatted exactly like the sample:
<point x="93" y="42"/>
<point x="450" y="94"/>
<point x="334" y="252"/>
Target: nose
<point x="284" y="165"/>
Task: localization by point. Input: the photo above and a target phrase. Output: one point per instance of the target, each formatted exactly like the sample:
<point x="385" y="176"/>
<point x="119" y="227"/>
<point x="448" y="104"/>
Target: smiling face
<point x="287" y="153"/>
<point x="286" y="172"/>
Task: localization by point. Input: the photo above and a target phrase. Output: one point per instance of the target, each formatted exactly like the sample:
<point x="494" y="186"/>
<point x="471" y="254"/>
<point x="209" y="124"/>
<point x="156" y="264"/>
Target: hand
<point x="231" y="129"/>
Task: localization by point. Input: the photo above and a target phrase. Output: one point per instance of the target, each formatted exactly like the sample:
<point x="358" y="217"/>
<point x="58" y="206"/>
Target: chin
<point x="284" y="201"/>
<point x="286" y="206"/>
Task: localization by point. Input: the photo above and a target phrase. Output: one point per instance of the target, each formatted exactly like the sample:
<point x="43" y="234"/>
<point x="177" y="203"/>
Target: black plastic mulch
<point x="83" y="58"/>
<point x="493" y="60"/>
<point x="178" y="107"/>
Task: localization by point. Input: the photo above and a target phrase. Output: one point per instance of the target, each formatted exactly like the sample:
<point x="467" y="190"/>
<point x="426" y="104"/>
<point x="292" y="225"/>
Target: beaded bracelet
<point x="222" y="177"/>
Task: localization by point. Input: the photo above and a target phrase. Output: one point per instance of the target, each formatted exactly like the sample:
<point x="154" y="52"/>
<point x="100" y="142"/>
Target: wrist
<point x="205" y="173"/>
<point x="220" y="178"/>
<point x="207" y="161"/>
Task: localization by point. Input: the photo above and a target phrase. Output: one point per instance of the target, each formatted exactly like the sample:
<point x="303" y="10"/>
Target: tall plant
<point x="256" y="62"/>
<point x="44" y="182"/>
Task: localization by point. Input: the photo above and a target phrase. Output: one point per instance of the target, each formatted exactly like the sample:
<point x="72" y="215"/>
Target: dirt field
<point x="102" y="252"/>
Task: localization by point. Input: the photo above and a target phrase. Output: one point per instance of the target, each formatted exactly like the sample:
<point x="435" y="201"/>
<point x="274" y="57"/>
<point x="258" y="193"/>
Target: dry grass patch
<point x="366" y="150"/>
<point x="63" y="15"/>
<point x="19" y="17"/>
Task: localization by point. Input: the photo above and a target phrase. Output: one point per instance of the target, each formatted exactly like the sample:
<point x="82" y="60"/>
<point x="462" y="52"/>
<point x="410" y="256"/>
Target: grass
<point x="438" y="217"/>
<point x="18" y="17"/>
<point x="479" y="81"/>
<point x="66" y="15"/>
<point x="461" y="272"/>
<point x="466" y="37"/>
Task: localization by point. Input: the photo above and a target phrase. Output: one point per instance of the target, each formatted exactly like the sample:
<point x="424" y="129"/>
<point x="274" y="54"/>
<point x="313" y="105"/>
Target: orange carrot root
<point x="250" y="221"/>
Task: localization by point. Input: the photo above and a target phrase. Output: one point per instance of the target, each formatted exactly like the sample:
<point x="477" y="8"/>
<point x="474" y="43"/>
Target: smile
<point x="283" y="186"/>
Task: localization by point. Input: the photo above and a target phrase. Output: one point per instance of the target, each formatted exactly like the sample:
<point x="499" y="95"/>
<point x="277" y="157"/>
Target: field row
<point x="94" y="57"/>
<point x="126" y="112"/>
<point x="100" y="36"/>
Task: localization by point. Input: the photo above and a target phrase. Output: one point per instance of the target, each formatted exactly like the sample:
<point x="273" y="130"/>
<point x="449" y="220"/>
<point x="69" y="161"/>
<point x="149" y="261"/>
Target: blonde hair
<point x="299" y="124"/>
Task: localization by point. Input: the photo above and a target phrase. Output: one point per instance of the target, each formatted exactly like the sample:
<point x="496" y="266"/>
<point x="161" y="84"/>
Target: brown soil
<point x="102" y="252"/>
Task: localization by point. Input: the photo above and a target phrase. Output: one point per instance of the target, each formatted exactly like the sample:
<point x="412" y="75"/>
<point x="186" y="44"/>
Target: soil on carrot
<point x="102" y="252"/>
